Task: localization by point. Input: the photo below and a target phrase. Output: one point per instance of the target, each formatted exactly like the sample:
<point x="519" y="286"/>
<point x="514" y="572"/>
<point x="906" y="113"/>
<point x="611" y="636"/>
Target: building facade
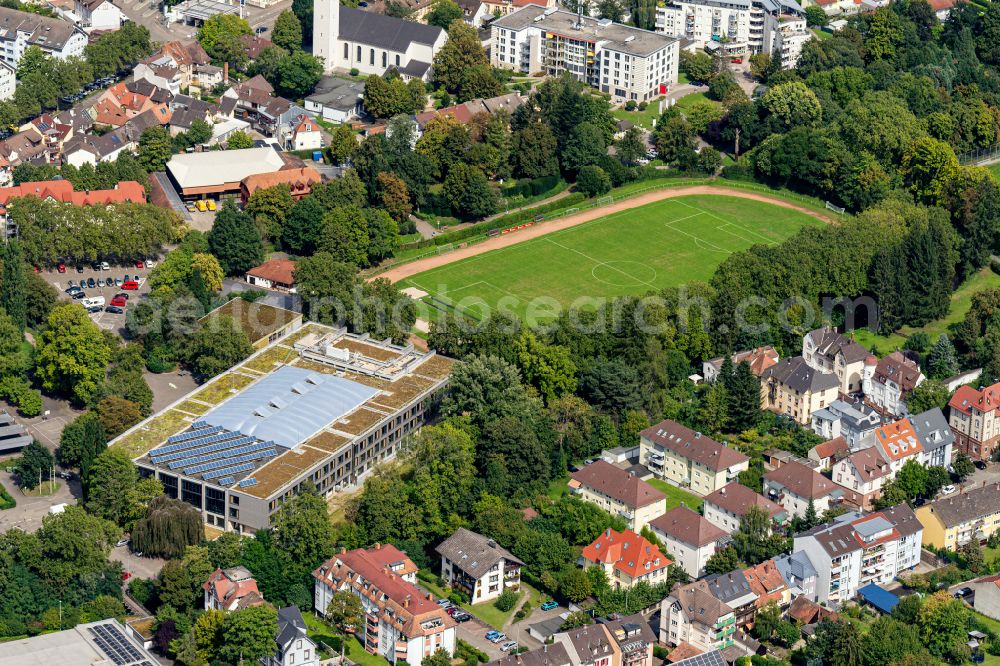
<point x="689" y="459"/>
<point x="478" y="566"/>
<point x="624" y="62"/>
<point x="793" y="486"/>
<point x="974" y="416"/>
<point x="797" y="390"/>
<point x="864" y="472"/>
<point x="691" y="614"/>
<point x="295" y="648"/>
<point x="626" y="559"/>
<point x="827" y="351"/>
<point x="888" y="384"/>
<point x="953" y="521"/>
<point x="231" y="589"/>
<point x="726" y="507"/>
<point x="55" y="37"/>
<point x="854" y="421"/>
<point x="689" y="537"/>
<point x="618" y="492"/>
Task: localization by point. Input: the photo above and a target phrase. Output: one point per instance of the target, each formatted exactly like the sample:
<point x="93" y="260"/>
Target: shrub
<point x="6" y="501"/>
<point x="457" y="597"/>
<point x="630" y="105"/>
<point x="995" y="266"/>
<point x="659" y="652"/>
<point x="643" y="106"/>
<point x="738" y="172"/>
<point x="506" y="601"/>
<point x="354" y="71"/>
<point x="18" y="392"/>
<point x="141" y="589"/>
<point x="593" y="181"/>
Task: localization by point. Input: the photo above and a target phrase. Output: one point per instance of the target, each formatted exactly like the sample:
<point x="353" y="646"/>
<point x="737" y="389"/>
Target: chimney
<point x="378" y="546"/>
<point x="225" y="72"/>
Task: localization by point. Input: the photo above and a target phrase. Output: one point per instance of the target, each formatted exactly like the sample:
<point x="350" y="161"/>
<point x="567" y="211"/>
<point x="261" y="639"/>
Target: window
<point x="359" y="53"/>
<point x="397" y="60"/>
<point x="371" y="56"/>
<point x="347" y="52"/>
<point x="385" y="59"/>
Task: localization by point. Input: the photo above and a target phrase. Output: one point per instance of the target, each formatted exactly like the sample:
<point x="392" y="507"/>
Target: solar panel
<point x="115" y="644"/>
<point x="197" y="469"/>
<point x="192" y="434"/>
<point x="206" y="453"/>
<point x="216" y="473"/>
<point x="192" y="442"/>
<point x="226" y="481"/>
<point x="187" y="449"/>
<point x="246" y="483"/>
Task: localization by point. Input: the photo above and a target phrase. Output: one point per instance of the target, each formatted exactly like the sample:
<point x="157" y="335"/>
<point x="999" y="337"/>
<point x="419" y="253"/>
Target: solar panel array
<point x="193" y="456"/>
<point x="226" y="481"/>
<point x="203" y="438"/>
<point x="246" y="483"/>
<point x="198" y="428"/>
<point x="215" y="473"/>
<point x="198" y="469"/>
<point x="116" y="645"/>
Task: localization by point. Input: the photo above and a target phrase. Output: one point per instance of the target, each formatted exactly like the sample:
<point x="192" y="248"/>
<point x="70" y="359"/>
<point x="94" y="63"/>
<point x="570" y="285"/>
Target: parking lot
<point x="106" y="320"/>
<point x="30" y="511"/>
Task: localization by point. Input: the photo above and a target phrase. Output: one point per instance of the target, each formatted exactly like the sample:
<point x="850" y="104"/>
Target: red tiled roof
<point x="802" y="481"/>
<point x="306" y="124"/>
<point x="685" y="525"/>
<point x="737" y="498"/>
<point x="281" y="271"/>
<point x="831" y="447"/>
<point x="62" y="190"/>
<point x="898" y="440"/>
<point x="627" y="551"/>
<point x="242" y="588"/>
<point x="614" y="482"/>
<point x="766" y="581"/>
<point x="684" y="650"/>
<point x="299" y="181"/>
<point x="966" y="398"/>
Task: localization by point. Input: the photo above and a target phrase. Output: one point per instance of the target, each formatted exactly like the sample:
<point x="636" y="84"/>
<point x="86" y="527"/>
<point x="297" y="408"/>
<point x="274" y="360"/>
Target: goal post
<point x="606" y="201"/>
<point x="835" y="209"/>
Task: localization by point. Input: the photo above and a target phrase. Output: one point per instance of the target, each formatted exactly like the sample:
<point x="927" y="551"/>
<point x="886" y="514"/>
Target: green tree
<point x="249" y="634"/>
<point x="72" y="354"/>
<point x="534" y="151"/>
<point x="631" y="147"/>
<point x="548" y="368"/>
<point x="287" y="32"/>
<point x="238" y="140"/>
<point x="82" y="440"/>
<point x="200" y="132"/>
<point x="75" y="543"/>
<point x="395" y="197"/>
<point x="575" y="584"/>
<point x="461" y="52"/>
<point x="169" y="527"/>
<point x="14" y="288"/>
<point x="345" y="611"/>
<point x="942" y="360"/>
<point x="743" y="391"/>
<point x="766" y="621"/>
<point x="112" y="478"/>
<point x="479" y="81"/>
<point x="344" y="234"/>
<point x="963" y="466"/>
<point x="13" y="361"/>
<point x="929" y="168"/>
<point x="792" y="104"/>
<point x="443" y="13"/>
<point x="471" y="196"/>
<point x="928" y="395"/>
<point x="209" y="268"/>
<point x="816" y="17"/>
<point x="302" y="529"/>
<point x="220" y="26"/>
<point x="155" y="148"/>
<point x="117" y="414"/>
<point x="912" y="478"/>
<point x="298" y="74"/>
<point x="343" y="144"/>
<point x="593" y="181"/>
<point x="724" y="561"/>
<point x="698" y="66"/>
<point x="269" y="208"/>
<point x="235" y="240"/>
<point x="487" y="388"/>
<point x="34" y="465"/>
<point x="218" y="345"/>
<point x="580" y="618"/>
<point x="942" y="622"/>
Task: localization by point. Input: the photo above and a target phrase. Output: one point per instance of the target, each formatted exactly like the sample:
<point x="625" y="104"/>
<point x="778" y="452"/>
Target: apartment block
<point x="793" y="486"/>
<point x="796" y="389"/>
<point x="854" y="550"/>
<point x="689" y="459"/>
<point x="826" y="350"/>
<point x="953" y="521"/>
<point x="691" y="614"/>
<point x="401" y="623"/>
<point x="726" y="506"/>
<point x="974" y="416"/>
<point x="478" y="566"/>
<point x="689" y="537"/>
<point x="623" y="61"/>
<point x="618" y="492"/>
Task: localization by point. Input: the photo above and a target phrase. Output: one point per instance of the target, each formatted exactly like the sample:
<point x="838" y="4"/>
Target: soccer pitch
<point x="662" y="244"/>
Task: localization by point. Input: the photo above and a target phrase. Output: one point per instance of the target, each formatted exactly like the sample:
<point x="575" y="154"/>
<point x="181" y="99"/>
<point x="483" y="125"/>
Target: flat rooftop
<point x="258" y="320"/>
<point x="217" y="167"/>
<point x="202" y="10"/>
<point x="616" y="36"/>
<point x="95" y="644"/>
<point x="295" y="402"/>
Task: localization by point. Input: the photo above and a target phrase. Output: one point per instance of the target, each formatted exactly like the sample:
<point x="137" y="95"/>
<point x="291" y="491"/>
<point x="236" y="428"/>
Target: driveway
<point x="989" y="475"/>
<point x="143" y="567"/>
<point x="28" y="513"/>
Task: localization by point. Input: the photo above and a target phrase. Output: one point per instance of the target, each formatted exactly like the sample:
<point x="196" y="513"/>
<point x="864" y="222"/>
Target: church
<point x="348" y="38"/>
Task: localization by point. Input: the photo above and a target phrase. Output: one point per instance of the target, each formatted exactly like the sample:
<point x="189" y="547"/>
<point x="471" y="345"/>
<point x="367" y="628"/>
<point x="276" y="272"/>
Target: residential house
<point x="796" y="389"/>
<point x="498" y="8"/>
<point x="794" y="485"/>
<point x="759" y="360"/>
<point x="689" y="537"/>
<point x="935" y="436"/>
<point x="854" y="421"/>
<point x="124" y="101"/>
<point x="256" y="104"/>
<point x="306" y="135"/>
<point x="300" y="182"/>
<point x="295" y="648"/>
<point x="173" y="65"/>
<point x="887" y="384"/>
<point x="53" y="132"/>
<point x="474" y="12"/>
<point x="207" y="77"/>
<point x="626" y="559"/>
<point x="974" y="416"/>
<point x="854" y="550"/>
<point x="100" y="15"/>
<point x="799" y="574"/>
<point x="987" y="599"/>
<point x="726" y="506"/>
<point x="277" y="274"/>
<point x="829" y="452"/>
<point x="400" y="622"/>
<point x="691" y="614"/>
<point x="635" y="638"/>
<point x="807" y="612"/>
<point x="352" y="38"/>
<point x="336" y="100"/>
<point x="619" y="492"/>
<point x="477" y="566"/>
<point x="590" y="645"/>
<point x="864" y="472"/>
<point x="254" y="44"/>
<point x="8" y="80"/>
<point x="689" y="459"/>
<point x="62" y="190"/>
<point x="620" y="60"/>
<point x="547" y="655"/>
<point x="25" y="146"/>
<point x="830" y="352"/>
<point x="768" y="584"/>
<point x="897" y="443"/>
<point x="734" y="590"/>
<point x="22" y="30"/>
<point x="955" y="520"/>
<point x="465" y="111"/>
<point x="231" y="589"/>
<point x="184" y="110"/>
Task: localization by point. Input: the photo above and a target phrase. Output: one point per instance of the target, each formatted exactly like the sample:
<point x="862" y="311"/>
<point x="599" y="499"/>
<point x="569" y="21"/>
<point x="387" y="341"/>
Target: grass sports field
<point x="662" y="244"/>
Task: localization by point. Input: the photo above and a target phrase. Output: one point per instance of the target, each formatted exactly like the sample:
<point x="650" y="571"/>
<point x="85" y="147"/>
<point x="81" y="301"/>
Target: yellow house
<point x="795" y="389"/>
<point x="689" y="459"/>
<point x="619" y="493"/>
<point x="954" y="521"/>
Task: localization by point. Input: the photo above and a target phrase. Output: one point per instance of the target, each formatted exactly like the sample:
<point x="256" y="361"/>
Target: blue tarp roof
<point x="879" y="597"/>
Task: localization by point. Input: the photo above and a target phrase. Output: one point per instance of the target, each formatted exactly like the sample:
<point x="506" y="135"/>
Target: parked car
<point x="91" y="283"/>
<point x="150" y="264"/>
<point x="121" y="294"/>
<point x="93" y="309"/>
<point x="549" y="605"/>
<point x="95" y="265"/>
<point x="61" y="267"/>
<point x="123" y="542"/>
<point x="138" y="263"/>
<point x="491" y="634"/>
<point x="78" y="294"/>
<point x="100" y="283"/>
<point x="118" y="301"/>
<point x="500" y="637"/>
<point x="980" y="464"/>
<point x="131" y="285"/>
<point x="96" y="301"/>
<point x="70" y="285"/>
<point x="118" y="282"/>
<point x="127" y="277"/>
<point x="461" y="616"/>
<point x="105" y="266"/>
<point x="79" y="268"/>
<point x="443" y="603"/>
<point x="509" y="645"/>
<point x="948" y="490"/>
<point x="964" y="592"/>
<point x="114" y="309"/>
<point x="190" y="207"/>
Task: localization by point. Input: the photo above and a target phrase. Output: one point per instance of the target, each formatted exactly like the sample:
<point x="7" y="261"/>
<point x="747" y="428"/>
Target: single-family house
<point x="100" y="15"/>
<point x="336" y="99"/>
<point x="626" y="559"/>
<point x="477" y="566"/>
<point x="897" y="443"/>
<point x="590" y="645"/>
<point x="935" y="436"/>
<point x="276" y="274"/>
<point x="854" y="421"/>
<point x="689" y="537"/>
<point x="799" y="574"/>
<point x="295" y="648"/>
<point x="759" y="360"/>
<point x="768" y="584"/>
<point x="306" y="135"/>
<point x="231" y="589"/>
<point x="829" y="452"/>
<point x="864" y="472"/>
<point x="987" y="598"/>
<point x="734" y="590"/>
<point x="618" y="492"/>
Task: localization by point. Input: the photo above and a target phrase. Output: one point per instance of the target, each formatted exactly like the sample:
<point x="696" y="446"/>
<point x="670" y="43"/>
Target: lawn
<point x="319" y="630"/>
<point x="675" y="495"/>
<point x="663" y="244"/>
<point x="485" y="611"/>
<point x="685" y="103"/>
<point x="995" y="170"/>
<point x="961" y="301"/>
<point x="642" y="118"/>
<point x="46" y="489"/>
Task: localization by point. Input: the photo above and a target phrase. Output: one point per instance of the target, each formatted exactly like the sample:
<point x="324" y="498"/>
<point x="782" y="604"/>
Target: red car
<point x="126" y="575"/>
<point x="118" y="301"/>
<point x="61" y="268"/>
<point x="130" y="285"/>
<point x="139" y="264"/>
<point x="736" y="61"/>
<point x="121" y="294"/>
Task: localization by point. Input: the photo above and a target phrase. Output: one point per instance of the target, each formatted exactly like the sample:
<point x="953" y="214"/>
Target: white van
<point x="91" y="302"/>
<point x="56" y="509"/>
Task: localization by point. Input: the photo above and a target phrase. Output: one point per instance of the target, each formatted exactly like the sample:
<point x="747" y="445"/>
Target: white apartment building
<point x="8" y="80"/>
<point x="738" y="26"/>
<point x="625" y="62"/>
<point x="478" y="566"/>
<point x="854" y="550"/>
<point x="692" y="614"/>
<point x="55" y="37"/>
